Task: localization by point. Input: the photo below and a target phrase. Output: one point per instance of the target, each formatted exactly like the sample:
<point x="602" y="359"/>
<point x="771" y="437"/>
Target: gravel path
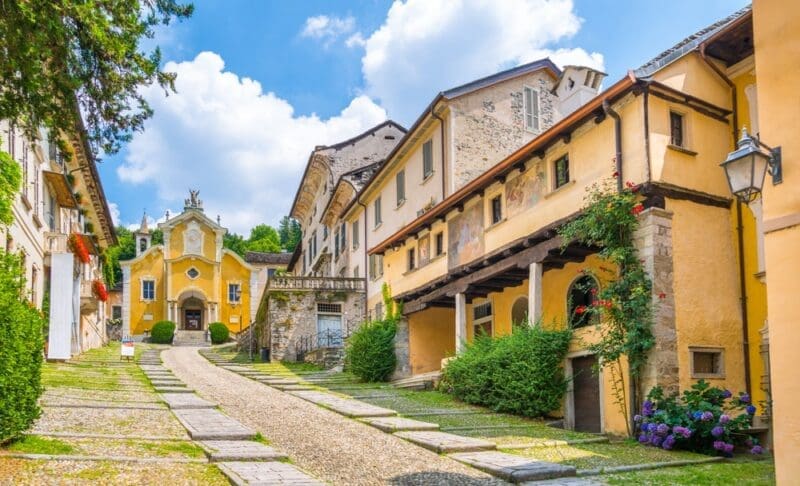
<point x="325" y="444"/>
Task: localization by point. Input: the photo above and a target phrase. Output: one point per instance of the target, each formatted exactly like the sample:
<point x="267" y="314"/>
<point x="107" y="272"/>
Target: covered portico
<point x="192" y="311"/>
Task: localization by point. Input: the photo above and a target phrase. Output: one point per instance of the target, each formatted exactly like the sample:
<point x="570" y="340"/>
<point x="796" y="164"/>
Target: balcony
<point x="316" y="283"/>
<point x="55" y="243"/>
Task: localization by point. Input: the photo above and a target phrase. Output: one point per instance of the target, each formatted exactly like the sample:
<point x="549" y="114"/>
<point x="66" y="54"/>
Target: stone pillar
<point x="401" y="350"/>
<point x="461" y="322"/>
<point x="535" y="292"/>
<point x="653" y="240"/>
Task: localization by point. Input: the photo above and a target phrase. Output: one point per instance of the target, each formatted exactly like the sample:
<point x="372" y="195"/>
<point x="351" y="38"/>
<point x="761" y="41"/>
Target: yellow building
<point x="190" y="280"/>
<point x="488" y="255"/>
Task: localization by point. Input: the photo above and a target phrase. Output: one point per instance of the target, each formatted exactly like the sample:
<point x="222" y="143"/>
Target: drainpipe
<point x="441" y="133"/>
<point x="646" y="102"/>
<point x="617" y="140"/>
<point x="739" y="228"/>
<point x="366" y="257"/>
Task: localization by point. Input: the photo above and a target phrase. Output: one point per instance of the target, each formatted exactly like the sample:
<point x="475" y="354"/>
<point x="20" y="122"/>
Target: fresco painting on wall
<point x="424" y="250"/>
<point x="524" y="192"/>
<point x="466" y="236"/>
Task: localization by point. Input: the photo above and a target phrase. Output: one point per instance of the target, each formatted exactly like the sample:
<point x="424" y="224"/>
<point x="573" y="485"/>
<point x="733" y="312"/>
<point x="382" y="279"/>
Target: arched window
<point x="580" y="296"/>
<point x="143" y="244"/>
<point x="519" y="312"/>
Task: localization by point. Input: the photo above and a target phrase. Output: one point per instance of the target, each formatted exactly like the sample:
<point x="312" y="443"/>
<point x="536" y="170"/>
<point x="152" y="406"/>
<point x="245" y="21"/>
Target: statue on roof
<point x="194" y="200"/>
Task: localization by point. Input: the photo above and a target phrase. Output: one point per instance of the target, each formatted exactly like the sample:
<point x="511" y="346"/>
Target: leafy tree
<point x="235" y="242"/>
<point x="63" y="58"/>
<point x="124" y="250"/>
<point x="264" y="238"/>
<point x="10" y="180"/>
<point x="289" y="232"/>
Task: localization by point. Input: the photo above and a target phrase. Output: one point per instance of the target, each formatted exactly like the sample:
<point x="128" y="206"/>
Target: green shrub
<point x="162" y="332"/>
<point x="219" y="332"/>
<point x="520" y="373"/>
<point x="369" y="353"/>
<point x="21" y="345"/>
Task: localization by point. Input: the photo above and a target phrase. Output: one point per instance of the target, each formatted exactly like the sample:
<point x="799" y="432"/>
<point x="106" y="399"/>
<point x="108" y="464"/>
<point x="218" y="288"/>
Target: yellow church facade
<point x="190" y="279"/>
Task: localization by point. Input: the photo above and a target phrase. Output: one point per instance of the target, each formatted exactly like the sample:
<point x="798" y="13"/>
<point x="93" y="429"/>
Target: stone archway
<point x="192" y="311"/>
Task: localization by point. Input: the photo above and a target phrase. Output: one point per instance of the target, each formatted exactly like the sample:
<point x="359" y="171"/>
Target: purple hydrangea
<point x="643" y="439"/>
<point x="728" y="448"/>
<point x="726" y="394"/>
<point x="719" y="445"/>
<point x="749" y="442"/>
<point x="757" y="450"/>
<point x="717" y="431"/>
<point x="724" y="419"/>
<point x="682" y="431"/>
<point x="656" y="440"/>
<point x="647" y="408"/>
<point x="637" y="418"/>
<point x="669" y="442"/>
<point x="706" y="416"/>
<point x="744" y="398"/>
<point x="662" y="429"/>
<point x="697" y="415"/>
<point x="751" y="409"/>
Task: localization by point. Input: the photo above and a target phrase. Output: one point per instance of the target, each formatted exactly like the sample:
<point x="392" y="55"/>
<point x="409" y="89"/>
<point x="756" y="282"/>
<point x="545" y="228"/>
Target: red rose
<point x="580" y="309"/>
<point x="637" y="209"/>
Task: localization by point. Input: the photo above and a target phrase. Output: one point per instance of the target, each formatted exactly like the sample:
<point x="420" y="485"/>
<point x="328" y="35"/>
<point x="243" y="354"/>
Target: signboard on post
<point x="127" y="348"/>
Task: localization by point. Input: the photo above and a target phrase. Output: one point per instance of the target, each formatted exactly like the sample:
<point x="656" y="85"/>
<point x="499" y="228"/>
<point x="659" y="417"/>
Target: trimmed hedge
<point x="370" y="351"/>
<point x="520" y="373"/>
<point x="219" y="332"/>
<point x="21" y="344"/>
<point x="162" y="332"/>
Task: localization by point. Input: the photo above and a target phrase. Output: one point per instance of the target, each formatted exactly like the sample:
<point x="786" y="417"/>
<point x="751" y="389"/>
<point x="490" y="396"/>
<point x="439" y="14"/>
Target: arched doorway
<point x="192" y="311"/>
<point x="519" y="312"/>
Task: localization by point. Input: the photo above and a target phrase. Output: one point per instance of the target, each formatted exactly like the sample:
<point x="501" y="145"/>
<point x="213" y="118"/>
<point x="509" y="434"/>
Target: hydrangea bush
<point x="703" y="419"/>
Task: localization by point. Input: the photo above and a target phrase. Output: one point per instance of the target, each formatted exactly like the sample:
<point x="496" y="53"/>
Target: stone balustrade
<point x="316" y="283"/>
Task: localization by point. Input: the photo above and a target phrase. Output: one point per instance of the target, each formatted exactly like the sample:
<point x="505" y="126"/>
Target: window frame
<point x="481" y="321"/>
<point x="529" y="111"/>
<point x="682" y="129"/>
<point x="496" y="209"/>
<point x="564" y="158"/>
<point x="411" y="259"/>
<point x="586" y="321"/>
<point x="354" y="226"/>
<point x="427" y="159"/>
<point x="720" y="374"/>
<point x="143" y="293"/>
<point x="438" y="244"/>
<point x="400" y="187"/>
<point x="377" y="209"/>
<point x="238" y="285"/>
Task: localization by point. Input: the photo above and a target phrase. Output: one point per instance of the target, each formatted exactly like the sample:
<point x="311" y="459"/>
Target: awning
<point x="62" y="190"/>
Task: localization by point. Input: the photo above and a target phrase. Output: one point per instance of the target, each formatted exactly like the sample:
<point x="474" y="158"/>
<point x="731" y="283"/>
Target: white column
<point x="461" y="322"/>
<point x="535" y="292"/>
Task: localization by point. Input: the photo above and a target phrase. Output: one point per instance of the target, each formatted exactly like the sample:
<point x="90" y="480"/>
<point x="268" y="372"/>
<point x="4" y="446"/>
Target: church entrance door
<point x="193" y="319"/>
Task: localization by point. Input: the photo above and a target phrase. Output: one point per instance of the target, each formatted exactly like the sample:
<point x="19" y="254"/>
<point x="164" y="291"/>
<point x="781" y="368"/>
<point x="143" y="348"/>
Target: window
<point x="400" y="181"/>
<point x="142" y="245"/>
<point x="580" y="297"/>
<point x="676" y="129"/>
<point x="234" y="293"/>
<point x="336" y="242"/>
<point x="707" y="363"/>
<point x="377" y="208"/>
<point x="324" y="232"/>
<point x="355" y="235"/>
<point x="411" y="260"/>
<point x="482" y="319"/>
<point x="116" y="312"/>
<point x="271" y="272"/>
<point x="427" y="159"/>
<point x="193" y="273"/>
<point x="497" y="209"/>
<point x="531" y="101"/>
<point x="148" y="290"/>
<point x="375" y="266"/>
<point x="561" y="169"/>
<point x="355" y="272"/>
<point x="519" y="311"/>
<point x="438" y="244"/>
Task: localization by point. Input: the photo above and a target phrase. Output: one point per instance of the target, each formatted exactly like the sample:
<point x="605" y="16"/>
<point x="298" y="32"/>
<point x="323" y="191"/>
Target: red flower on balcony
<point x="100" y="291"/>
<point x="78" y="247"/>
<point x="580" y="309"/>
<point x="637" y="209"/>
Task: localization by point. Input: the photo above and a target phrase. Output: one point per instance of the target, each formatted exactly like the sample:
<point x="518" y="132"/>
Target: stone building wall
<point x="488" y="124"/>
<point x="292" y="315"/>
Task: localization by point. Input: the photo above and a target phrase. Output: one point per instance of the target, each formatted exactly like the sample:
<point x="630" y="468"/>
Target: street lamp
<point x="746" y="167"/>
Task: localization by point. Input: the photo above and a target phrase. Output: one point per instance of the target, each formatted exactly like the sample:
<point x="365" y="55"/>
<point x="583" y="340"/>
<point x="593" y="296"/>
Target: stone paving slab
<point x="239" y="450"/>
<point x="172" y="389"/>
<point x="399" y="424"/>
<point x="445" y="443"/>
<point x="345" y="406"/>
<point x="167" y="383"/>
<point x="277" y="381"/>
<point x="512" y="467"/>
<point x="266" y="474"/>
<point x="158" y="374"/>
<point x="177" y="401"/>
<point x="294" y="387"/>
<point x="565" y="482"/>
<point x="149" y="367"/>
<point x="211" y="424"/>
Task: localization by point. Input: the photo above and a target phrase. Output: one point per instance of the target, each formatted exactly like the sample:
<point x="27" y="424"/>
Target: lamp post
<point x="747" y="166"/>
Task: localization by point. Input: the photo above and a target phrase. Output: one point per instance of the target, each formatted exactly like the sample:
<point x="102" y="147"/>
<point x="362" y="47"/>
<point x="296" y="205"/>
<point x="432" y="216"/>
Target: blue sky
<point x="262" y="82"/>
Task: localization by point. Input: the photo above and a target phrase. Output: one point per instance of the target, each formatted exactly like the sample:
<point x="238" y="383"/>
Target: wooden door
<point x="193" y="320"/>
<point x="586" y="394"/>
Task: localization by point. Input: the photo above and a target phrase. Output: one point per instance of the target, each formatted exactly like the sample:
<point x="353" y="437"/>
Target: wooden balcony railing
<point x="316" y="283"/>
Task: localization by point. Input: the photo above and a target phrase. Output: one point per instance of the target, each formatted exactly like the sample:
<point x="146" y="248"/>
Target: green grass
<point x="170" y="448"/>
<point x="260" y="438"/>
<point x="34" y="444"/>
<point x="741" y="472"/>
<point x="593" y="456"/>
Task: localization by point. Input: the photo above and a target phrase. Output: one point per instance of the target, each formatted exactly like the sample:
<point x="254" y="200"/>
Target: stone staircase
<point x="424" y="381"/>
<point x="190" y="338"/>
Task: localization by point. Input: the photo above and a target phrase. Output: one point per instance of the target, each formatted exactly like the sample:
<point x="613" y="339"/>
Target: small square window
<point x="497" y="209"/>
<point x="707" y="363"/>
<point x="561" y="169"/>
<point x="676" y="129"/>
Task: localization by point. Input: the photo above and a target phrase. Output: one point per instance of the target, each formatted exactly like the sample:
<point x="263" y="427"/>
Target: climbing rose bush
<point x="703" y="419"/>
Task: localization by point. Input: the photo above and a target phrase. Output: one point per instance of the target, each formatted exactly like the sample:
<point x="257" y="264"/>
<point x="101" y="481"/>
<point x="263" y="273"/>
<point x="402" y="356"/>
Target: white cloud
<point x="113" y="208"/>
<point x="244" y="149"/>
<point x="356" y="40"/>
<point x="328" y="29"/>
<point x="426" y="46"/>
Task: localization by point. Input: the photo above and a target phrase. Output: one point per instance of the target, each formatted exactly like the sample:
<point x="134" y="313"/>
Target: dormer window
<point x="530" y="98"/>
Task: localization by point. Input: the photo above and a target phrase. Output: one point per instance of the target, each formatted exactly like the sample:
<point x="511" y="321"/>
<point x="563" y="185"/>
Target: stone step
<point x="167" y="383"/>
<point x="399" y="424"/>
<point x="425" y="381"/>
<point x="173" y="389"/>
<point x="444" y="443"/>
<point x="513" y="468"/>
<point x="266" y="473"/>
<point x="239" y="450"/>
<point x="177" y="401"/>
<point x="345" y="406"/>
<point x="211" y="424"/>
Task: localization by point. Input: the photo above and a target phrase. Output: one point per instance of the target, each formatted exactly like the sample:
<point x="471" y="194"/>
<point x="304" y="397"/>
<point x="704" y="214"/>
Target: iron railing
<point x="329" y="338"/>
